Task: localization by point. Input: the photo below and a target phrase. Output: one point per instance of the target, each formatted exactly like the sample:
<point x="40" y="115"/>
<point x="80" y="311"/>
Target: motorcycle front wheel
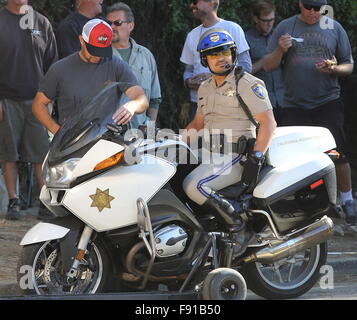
<point x="287" y="278"/>
<point x="40" y="270"/>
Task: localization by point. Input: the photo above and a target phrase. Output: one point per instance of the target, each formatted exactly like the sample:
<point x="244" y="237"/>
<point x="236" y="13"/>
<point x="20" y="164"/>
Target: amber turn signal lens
<point x="333" y="154"/>
<point x="109" y="162"/>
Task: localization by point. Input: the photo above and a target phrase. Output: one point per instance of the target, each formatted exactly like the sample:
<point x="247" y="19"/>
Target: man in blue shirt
<point x="258" y="36"/>
<point x="71" y="27"/>
<point x="139" y="58"/>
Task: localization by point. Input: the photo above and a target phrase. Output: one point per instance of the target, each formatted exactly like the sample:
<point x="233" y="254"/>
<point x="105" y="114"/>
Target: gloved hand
<point x="251" y="169"/>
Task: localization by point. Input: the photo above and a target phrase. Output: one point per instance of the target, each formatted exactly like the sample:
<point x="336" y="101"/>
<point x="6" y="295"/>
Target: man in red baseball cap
<point x="79" y="76"/>
<point x="96" y="40"/>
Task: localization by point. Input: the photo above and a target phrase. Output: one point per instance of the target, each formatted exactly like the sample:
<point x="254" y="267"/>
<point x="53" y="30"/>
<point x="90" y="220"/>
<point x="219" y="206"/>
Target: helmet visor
<point x="219" y="48"/>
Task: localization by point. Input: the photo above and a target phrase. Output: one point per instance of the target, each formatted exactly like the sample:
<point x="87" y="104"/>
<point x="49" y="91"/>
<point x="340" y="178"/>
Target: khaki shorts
<point x="22" y="137"/>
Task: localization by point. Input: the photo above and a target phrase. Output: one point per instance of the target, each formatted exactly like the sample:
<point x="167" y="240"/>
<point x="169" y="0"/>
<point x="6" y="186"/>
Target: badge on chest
<point x="229" y="92"/>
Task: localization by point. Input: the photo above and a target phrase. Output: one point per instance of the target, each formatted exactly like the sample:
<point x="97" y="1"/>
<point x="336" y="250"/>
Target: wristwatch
<point x="257" y="155"/>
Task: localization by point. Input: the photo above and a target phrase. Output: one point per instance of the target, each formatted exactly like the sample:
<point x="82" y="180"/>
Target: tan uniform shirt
<point x="220" y="107"/>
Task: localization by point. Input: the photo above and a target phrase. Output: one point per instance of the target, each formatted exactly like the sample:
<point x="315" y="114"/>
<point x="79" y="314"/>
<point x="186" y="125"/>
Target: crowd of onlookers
<point x="45" y="76"/>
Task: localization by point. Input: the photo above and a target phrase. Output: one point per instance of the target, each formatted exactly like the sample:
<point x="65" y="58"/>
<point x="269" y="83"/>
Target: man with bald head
<point x="71" y="27"/>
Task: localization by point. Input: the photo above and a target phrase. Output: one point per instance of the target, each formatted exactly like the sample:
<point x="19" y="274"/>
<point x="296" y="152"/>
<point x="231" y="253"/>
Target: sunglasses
<point x="194" y="2"/>
<point x="117" y="23"/>
<point x="266" y="20"/>
<point x="309" y="7"/>
<point x="225" y="53"/>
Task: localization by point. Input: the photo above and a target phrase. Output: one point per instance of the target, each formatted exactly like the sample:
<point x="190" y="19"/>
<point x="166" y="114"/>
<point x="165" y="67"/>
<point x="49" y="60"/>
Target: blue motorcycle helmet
<point x="216" y="40"/>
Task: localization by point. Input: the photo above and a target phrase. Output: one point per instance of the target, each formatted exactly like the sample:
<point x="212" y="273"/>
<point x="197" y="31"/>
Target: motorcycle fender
<point x="67" y="228"/>
<point x="43" y="232"/>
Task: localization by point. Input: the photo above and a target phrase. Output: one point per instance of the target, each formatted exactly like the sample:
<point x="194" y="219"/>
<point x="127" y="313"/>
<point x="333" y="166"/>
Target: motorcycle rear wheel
<point x="41" y="264"/>
<point x="289" y="277"/>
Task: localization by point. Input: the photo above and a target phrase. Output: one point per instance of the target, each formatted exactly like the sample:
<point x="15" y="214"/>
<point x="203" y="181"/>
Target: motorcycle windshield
<point x="88" y="124"/>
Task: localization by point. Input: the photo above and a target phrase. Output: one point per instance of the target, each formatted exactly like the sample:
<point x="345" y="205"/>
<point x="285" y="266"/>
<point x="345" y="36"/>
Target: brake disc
<point x="49" y="268"/>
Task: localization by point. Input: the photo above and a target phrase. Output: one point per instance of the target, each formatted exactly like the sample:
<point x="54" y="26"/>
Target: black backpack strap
<point x="239" y="73"/>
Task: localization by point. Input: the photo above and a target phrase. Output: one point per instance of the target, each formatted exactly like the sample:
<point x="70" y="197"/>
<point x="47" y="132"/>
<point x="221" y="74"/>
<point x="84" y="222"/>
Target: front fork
<point x="82" y="248"/>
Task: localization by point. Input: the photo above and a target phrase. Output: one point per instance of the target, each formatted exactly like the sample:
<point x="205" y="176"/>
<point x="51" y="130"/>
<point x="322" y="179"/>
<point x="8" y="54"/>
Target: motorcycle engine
<point x="170" y="241"/>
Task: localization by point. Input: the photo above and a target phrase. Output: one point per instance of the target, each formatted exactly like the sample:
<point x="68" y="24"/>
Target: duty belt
<point x="219" y="144"/>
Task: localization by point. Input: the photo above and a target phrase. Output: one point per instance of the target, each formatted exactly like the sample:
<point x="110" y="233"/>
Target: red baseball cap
<point x="98" y="37"/>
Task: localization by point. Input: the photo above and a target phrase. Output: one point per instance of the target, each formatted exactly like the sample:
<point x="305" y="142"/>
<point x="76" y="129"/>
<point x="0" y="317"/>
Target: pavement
<point x="342" y="250"/>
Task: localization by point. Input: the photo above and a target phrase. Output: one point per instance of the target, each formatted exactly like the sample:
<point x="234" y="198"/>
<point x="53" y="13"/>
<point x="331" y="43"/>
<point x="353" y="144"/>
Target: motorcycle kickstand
<point x="211" y="244"/>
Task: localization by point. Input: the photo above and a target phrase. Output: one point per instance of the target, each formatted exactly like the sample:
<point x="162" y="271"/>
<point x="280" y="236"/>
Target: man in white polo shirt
<point x="195" y="73"/>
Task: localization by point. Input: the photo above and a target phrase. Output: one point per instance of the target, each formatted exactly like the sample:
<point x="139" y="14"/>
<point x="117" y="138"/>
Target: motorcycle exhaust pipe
<point x="316" y="233"/>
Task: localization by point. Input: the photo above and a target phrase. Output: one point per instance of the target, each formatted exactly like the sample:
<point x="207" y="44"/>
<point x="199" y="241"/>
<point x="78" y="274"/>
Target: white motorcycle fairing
<point x="142" y="180"/>
<point x="42" y="232"/>
<point x="295" y="153"/>
<point x="289" y="143"/>
<point x="290" y="173"/>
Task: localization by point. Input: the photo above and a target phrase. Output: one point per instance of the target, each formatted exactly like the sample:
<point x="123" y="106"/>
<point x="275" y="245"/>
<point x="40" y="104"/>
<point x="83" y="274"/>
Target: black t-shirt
<point x="25" y="54"/>
<point x="71" y="81"/>
<point x="67" y="34"/>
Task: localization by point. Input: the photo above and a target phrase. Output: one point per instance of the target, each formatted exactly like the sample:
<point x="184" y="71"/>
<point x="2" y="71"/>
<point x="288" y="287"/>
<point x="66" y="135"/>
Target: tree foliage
<point x="162" y="26"/>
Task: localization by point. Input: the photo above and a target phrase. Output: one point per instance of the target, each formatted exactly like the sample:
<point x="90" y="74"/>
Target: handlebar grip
<point x="117" y="129"/>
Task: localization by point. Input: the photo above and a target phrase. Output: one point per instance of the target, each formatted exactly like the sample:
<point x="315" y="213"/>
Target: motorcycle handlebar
<point x="117" y="129"/>
<point x="146" y="131"/>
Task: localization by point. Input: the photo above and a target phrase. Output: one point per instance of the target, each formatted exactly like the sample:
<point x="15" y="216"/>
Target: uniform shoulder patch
<point x="259" y="91"/>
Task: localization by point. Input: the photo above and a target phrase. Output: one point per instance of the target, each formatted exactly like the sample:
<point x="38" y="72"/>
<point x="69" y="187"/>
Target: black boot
<point x="238" y="229"/>
<point x="241" y="237"/>
<point x="13" y="210"/>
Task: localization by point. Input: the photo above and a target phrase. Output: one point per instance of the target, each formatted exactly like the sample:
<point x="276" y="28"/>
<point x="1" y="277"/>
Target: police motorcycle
<point x="123" y="222"/>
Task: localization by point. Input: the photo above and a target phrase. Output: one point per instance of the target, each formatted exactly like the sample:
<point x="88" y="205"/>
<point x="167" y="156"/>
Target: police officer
<point x="220" y="111"/>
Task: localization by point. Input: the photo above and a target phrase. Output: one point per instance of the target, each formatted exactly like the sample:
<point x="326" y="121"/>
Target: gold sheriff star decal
<point x="101" y="199"/>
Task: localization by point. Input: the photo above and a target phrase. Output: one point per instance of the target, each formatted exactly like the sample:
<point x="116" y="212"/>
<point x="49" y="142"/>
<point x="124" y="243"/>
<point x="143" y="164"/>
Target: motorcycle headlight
<point x="60" y="176"/>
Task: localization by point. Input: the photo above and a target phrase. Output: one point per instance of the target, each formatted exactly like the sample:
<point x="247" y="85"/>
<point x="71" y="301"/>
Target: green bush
<point x="162" y="25"/>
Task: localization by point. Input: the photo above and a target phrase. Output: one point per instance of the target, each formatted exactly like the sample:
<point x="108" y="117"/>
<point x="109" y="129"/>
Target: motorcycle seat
<point x="235" y="190"/>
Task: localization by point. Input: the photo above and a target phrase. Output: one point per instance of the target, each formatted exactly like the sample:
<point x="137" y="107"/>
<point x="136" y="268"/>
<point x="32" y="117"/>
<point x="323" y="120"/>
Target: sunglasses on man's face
<point x="117" y="23"/>
<point x="266" y="20"/>
<point x="309" y="7"/>
<point x="225" y="53"/>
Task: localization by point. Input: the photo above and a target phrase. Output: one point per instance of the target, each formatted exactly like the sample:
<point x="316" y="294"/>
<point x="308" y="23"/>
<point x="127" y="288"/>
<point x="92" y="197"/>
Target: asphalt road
<point x="344" y="288"/>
